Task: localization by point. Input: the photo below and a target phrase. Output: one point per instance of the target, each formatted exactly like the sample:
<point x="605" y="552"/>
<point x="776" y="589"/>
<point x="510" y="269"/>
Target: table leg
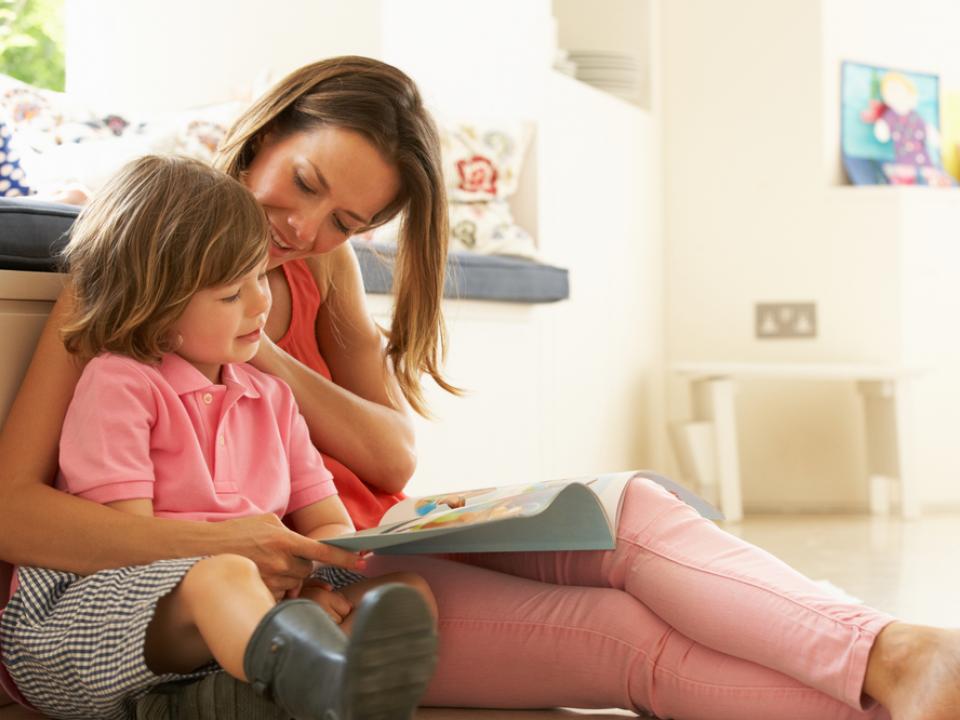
<point x="888" y="421"/>
<point x="713" y="401"/>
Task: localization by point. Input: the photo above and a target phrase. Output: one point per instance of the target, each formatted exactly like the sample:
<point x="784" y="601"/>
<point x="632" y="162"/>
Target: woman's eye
<point x="340" y="226"/>
<point x="299" y="182"/>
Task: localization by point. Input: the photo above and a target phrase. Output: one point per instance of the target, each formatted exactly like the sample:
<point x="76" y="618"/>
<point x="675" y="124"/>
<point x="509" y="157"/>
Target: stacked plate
<point x="616" y="73"/>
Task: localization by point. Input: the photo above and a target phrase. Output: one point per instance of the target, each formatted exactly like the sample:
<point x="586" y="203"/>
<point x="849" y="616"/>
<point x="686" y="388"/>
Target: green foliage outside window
<point x="31" y="41"/>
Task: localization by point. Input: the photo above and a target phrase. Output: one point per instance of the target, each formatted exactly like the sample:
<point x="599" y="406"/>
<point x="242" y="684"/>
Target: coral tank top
<point x="365" y="503"/>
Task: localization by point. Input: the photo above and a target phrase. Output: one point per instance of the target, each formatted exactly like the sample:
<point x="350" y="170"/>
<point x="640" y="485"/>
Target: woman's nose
<point x="306" y="223"/>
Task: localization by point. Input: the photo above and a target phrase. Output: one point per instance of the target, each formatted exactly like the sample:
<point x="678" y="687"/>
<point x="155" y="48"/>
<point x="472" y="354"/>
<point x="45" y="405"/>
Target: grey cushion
<point x="32" y="233"/>
<point x="474" y="277"/>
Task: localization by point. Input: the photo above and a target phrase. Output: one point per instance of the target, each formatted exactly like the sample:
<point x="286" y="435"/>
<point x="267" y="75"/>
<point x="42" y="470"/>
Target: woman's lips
<point x="278" y="246"/>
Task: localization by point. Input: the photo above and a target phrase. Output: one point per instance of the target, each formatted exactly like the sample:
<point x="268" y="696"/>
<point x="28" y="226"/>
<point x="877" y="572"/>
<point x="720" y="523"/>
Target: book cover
<point x="572" y="514"/>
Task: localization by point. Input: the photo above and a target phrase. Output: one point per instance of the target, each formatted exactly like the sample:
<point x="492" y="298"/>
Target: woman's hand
<point x="285" y="558"/>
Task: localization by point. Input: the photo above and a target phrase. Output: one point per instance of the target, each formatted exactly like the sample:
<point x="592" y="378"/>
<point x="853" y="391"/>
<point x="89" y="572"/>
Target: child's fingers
<point x="334" y="615"/>
<point x="340" y="604"/>
<point x="317" y="583"/>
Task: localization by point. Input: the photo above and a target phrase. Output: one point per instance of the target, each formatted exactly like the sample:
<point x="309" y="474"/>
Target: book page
<point x="607" y="487"/>
<point x="478" y="506"/>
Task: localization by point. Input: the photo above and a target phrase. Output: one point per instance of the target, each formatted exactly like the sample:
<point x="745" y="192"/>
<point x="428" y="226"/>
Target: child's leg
<point x="211" y="615"/>
<point x="292" y="650"/>
<point x="354" y="592"/>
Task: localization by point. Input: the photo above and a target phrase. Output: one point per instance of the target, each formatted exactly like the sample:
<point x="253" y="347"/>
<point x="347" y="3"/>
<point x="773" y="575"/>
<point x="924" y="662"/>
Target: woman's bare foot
<point x="914" y="672"/>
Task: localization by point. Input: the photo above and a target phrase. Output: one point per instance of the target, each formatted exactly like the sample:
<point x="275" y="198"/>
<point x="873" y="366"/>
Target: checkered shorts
<point x="74" y="645"/>
<point x="336" y="576"/>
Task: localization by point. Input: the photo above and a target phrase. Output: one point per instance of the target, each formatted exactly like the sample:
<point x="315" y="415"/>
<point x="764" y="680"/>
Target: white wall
<point x="473" y="59"/>
<point x="181" y="53"/>
<point x="751" y="145"/>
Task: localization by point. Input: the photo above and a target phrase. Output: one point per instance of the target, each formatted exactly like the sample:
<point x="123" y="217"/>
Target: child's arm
<point x="142" y="507"/>
<point x="323" y="519"/>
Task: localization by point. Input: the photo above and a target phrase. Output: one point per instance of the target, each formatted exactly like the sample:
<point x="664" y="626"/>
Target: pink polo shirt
<point x="198" y="450"/>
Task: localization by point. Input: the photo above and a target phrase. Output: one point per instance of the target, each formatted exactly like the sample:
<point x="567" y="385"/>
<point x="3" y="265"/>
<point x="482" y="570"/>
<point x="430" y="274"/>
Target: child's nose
<point x="261" y="300"/>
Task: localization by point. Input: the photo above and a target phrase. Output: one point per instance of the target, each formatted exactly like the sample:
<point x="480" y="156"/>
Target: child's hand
<point x="336" y="605"/>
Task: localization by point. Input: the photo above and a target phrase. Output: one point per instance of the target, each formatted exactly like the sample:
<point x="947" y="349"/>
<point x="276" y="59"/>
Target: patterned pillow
<point x="44" y="118"/>
<point x="481" y="165"/>
<point x="484" y="228"/>
<point x="13" y="182"/>
<point x="488" y="228"/>
<point x="482" y="162"/>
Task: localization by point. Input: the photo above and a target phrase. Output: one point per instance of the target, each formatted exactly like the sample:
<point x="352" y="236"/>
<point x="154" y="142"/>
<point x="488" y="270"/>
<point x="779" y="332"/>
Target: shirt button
<point x="207" y="398"/>
<point x="222" y="440"/>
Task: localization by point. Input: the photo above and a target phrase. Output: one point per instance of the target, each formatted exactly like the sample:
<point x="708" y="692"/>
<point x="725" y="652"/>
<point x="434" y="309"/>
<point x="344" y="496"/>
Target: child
<point x="168" y="271"/>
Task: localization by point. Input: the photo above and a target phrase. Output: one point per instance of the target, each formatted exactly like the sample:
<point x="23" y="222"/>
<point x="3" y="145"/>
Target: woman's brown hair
<point x="160" y="230"/>
<point x="382" y="104"/>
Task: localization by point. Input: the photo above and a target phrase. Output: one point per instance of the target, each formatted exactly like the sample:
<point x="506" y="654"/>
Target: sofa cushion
<point x="474" y="277"/>
<point x="33" y="232"/>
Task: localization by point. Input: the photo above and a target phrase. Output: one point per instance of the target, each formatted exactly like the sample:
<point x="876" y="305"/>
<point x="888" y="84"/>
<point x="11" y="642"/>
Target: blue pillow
<point x="13" y="182"/>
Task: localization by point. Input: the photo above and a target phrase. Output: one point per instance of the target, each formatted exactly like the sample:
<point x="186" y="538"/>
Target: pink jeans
<point x="682" y="619"/>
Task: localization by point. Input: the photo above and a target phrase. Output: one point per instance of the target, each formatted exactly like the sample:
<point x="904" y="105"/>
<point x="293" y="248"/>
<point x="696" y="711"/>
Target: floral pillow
<point x="481" y="167"/>
<point x="488" y="228"/>
<point x="482" y="162"/>
<point x="44" y="118"/>
<point x="66" y="144"/>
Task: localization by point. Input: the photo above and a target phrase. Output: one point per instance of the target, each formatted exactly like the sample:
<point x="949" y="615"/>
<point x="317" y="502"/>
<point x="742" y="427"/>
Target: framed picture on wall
<point x="890" y="127"/>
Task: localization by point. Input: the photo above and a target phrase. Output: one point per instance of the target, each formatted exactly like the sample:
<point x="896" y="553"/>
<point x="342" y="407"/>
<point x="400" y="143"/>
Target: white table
<point x="887" y="406"/>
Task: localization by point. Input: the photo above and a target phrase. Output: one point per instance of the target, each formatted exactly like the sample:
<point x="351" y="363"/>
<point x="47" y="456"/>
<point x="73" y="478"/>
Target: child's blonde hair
<point x="160" y="230"/>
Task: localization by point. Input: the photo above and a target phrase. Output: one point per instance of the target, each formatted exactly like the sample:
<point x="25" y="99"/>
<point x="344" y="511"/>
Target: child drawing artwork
<point x="899" y="120"/>
<point x="900" y="123"/>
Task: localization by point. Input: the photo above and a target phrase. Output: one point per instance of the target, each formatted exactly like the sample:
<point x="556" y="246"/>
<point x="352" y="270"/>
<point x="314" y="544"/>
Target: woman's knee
<point x="418" y="583"/>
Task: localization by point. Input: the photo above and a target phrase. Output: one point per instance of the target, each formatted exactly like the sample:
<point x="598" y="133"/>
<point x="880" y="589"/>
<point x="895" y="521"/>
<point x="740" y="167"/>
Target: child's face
<point x="224" y="324"/>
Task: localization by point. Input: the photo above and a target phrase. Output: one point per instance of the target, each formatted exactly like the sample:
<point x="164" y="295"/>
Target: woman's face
<point x="318" y="187"/>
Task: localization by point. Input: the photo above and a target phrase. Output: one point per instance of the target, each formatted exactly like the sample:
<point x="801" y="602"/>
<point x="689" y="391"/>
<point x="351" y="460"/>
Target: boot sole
<point x="391" y="656"/>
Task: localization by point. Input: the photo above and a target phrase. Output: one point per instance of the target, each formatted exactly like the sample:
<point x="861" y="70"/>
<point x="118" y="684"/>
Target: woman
<point x="682" y="618"/>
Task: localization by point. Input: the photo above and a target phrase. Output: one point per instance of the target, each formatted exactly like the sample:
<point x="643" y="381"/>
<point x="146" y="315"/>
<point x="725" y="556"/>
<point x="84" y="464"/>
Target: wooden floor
<point x="904" y="568"/>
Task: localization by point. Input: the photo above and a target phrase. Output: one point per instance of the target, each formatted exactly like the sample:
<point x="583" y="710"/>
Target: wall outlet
<point x="785" y="320"/>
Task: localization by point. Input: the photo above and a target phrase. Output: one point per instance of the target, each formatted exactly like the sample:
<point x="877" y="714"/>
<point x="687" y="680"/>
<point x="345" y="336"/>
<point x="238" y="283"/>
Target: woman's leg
<point x="507" y="641"/>
<point x="719" y="591"/>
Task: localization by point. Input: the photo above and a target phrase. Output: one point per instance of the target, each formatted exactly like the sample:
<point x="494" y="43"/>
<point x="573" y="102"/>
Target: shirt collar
<point x="184" y="378"/>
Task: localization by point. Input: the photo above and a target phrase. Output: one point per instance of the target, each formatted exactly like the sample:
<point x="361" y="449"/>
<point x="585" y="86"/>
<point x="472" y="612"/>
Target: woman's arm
<point x="361" y="418"/>
<point x="49" y="528"/>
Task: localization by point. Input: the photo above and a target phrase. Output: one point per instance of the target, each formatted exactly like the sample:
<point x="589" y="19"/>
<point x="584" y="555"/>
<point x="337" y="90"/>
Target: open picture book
<point x="576" y="514"/>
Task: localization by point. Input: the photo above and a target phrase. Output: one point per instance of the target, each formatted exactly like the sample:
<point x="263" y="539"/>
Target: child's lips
<point x="251" y="336"/>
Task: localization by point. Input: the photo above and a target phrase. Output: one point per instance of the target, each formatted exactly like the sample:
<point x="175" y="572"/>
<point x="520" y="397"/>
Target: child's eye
<point x="232" y="299"/>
